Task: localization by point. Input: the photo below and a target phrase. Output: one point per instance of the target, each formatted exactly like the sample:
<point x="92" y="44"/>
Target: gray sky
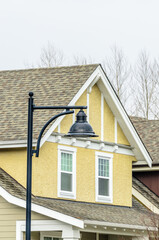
<point x="77" y="27"/>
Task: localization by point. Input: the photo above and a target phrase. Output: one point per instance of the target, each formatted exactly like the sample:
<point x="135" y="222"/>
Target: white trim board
<point x="41" y="210"/>
<point x="43" y="226"/>
<point x="90" y="145"/>
<point x="15" y="144"/>
<point x="144" y="201"/>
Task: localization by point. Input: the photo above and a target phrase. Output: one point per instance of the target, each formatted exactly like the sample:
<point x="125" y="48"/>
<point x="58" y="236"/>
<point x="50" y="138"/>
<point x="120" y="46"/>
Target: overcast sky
<point x="78" y="27"/>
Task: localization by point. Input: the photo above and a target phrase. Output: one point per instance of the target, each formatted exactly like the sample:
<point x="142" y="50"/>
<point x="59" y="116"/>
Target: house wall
<point x="44" y="174"/>
<point x="9" y="214"/>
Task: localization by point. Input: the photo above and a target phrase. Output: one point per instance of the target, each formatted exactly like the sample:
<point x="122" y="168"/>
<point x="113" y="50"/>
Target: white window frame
<point x="51" y="235"/>
<point x="61" y="193"/>
<point x="109" y="157"/>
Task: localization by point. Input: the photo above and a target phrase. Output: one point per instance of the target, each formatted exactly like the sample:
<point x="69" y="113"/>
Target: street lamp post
<point x="81" y="128"/>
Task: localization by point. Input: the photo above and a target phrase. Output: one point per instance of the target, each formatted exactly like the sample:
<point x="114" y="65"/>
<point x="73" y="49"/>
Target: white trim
<point x="61" y="193"/>
<point x="145" y="201"/>
<point x="117" y="225"/>
<point x="41" y="210"/>
<point x="15" y="144"/>
<point x="145" y="169"/>
<point x="116" y="130"/>
<point x="109" y="157"/>
<point x="50" y="234"/>
<point x="73" y="118"/>
<point x="102" y="117"/>
<point x="92" y="79"/>
<point x="91" y="144"/>
<point x="43" y="226"/>
<point x="59" y="128"/>
<point x="123" y="118"/>
<point x="87" y="106"/>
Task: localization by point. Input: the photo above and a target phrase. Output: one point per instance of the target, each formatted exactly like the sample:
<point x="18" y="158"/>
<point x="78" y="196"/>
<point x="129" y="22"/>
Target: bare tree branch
<point x="118" y="71"/>
<point x="146" y="75"/>
<point x="51" y="57"/>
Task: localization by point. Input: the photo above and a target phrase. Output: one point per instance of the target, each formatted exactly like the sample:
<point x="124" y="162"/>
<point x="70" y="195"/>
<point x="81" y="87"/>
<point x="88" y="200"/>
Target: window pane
<point x="47" y="238"/>
<point x="66" y="182"/>
<point x="103" y="187"/>
<point x="66" y="162"/>
<point x="103" y="167"/>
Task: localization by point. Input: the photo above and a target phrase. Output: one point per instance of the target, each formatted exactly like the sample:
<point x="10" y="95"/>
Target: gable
<point x="99" y="116"/>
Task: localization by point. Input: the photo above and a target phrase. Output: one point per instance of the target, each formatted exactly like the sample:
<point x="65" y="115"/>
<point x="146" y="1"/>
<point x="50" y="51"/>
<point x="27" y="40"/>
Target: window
<point x="104" y="177"/>
<point x="66" y="172"/>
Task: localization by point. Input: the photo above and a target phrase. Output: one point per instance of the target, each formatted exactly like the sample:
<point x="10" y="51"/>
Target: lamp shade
<point x="81" y="128"/>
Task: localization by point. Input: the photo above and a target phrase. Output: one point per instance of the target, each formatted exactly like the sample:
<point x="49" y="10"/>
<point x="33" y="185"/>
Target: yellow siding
<point x="66" y="124"/>
<point x="122" y="179"/>
<point x="67" y="121"/>
<point x="9" y="214"/>
<point x="109" y="129"/>
<point x="44" y="178"/>
<point x="14" y="163"/>
<point x="121" y="139"/>
<point x="95" y="110"/>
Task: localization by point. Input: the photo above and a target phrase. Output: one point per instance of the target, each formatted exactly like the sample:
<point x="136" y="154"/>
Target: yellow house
<point x="82" y="188"/>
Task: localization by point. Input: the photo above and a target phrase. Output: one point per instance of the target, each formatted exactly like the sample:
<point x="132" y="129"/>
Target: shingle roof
<point x="135" y="215"/>
<point x="149" y="133"/>
<point x="51" y="86"/>
<point x="146" y="192"/>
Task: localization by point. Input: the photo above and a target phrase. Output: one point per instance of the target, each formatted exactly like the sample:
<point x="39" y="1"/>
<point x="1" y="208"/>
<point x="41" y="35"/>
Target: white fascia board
<point x="92" y="79"/>
<point x="117" y="225"/>
<point x="41" y="210"/>
<point x="15" y="144"/>
<point x="120" y="113"/>
<point x="144" y="201"/>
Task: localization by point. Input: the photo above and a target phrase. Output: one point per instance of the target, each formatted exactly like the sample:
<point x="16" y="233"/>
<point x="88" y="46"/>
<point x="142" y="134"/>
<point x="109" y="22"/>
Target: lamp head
<point x="81" y="128"/>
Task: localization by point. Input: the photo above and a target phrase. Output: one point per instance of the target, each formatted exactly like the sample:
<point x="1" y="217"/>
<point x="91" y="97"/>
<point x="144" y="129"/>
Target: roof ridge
<point x="47" y="68"/>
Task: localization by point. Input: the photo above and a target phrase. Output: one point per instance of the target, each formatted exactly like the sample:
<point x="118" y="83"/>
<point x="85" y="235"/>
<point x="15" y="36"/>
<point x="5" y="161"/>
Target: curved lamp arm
<point x="45" y="126"/>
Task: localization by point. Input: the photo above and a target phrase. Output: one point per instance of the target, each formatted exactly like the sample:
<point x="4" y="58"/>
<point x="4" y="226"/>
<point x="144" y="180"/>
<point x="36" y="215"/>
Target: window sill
<point x="68" y="195"/>
<point x="104" y="199"/>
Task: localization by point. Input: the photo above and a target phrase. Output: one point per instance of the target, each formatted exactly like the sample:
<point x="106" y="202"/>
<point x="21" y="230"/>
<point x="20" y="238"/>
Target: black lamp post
<point x="81" y="128"/>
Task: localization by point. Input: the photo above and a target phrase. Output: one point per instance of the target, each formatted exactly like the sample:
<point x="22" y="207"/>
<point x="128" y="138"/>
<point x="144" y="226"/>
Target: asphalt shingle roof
<point x="134" y="215"/>
<point x="148" y="131"/>
<point x="51" y="86"/>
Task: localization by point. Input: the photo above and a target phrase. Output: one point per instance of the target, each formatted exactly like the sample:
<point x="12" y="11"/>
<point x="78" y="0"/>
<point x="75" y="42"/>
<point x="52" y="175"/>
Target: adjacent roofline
<point x="41" y="210"/>
<point x="144" y="201"/>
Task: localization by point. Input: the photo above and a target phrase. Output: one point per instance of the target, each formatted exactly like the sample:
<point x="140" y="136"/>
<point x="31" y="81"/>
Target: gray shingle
<point x="51" y="86"/>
